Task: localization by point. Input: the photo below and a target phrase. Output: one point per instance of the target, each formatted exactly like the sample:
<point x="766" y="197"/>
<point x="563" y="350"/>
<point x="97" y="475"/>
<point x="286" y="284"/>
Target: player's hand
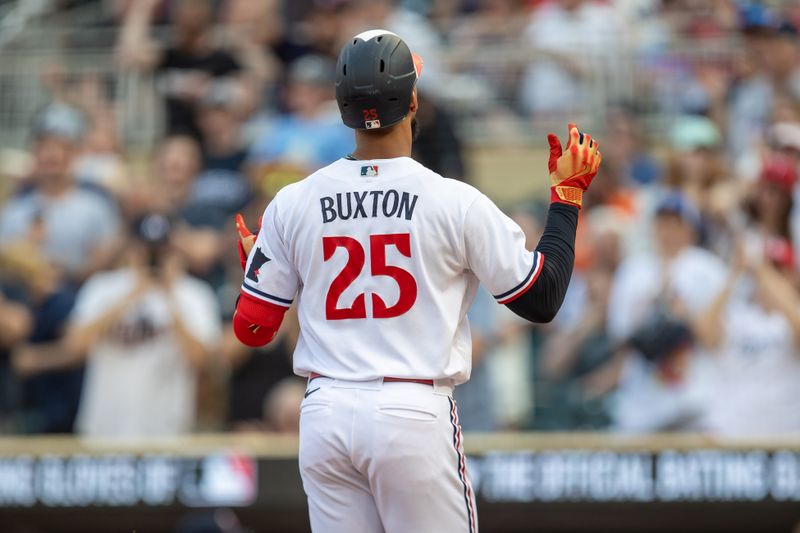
<point x="246" y="240"/>
<point x="572" y="170"/>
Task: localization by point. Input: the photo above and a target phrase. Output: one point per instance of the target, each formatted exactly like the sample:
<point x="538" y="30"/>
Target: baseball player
<point x="384" y="257"/>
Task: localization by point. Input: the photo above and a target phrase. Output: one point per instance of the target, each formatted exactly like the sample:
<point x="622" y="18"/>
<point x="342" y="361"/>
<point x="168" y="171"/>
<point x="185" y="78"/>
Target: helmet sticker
<point x="369" y="34"/>
<point x="417" y="64"/>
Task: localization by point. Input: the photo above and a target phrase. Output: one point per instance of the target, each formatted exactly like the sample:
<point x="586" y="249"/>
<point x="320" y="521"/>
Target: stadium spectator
<point x="570" y="393"/>
<point x="145" y="330"/>
<point x="651" y="295"/>
<point x="282" y="405"/>
<point x="697" y="167"/>
<point x="782" y="59"/>
<point x="99" y="163"/>
<point x="311" y="134"/>
<point x="749" y="100"/>
<point x="478" y="40"/>
<point x="187" y="67"/>
<point x="411" y="21"/>
<point x="503" y="350"/>
<point x="600" y="247"/>
<point x="221" y="189"/>
<point x="773" y="201"/>
<point x="477" y="397"/>
<point x="710" y="91"/>
<point x="71" y="230"/>
<point x="16" y="323"/>
<point x="315" y="28"/>
<point x="629" y="156"/>
<point x="255" y="373"/>
<point x="101" y="160"/>
<point x="421" y="36"/>
<point x="177" y="164"/>
<point x="554" y="83"/>
<point x="785" y="137"/>
<point x="53" y="235"/>
<point x="437" y="145"/>
<point x="753" y="328"/>
<point x="578" y="363"/>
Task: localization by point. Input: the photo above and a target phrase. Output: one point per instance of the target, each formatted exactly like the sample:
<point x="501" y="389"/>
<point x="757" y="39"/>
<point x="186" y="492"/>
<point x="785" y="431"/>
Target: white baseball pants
<point x="384" y="457"/>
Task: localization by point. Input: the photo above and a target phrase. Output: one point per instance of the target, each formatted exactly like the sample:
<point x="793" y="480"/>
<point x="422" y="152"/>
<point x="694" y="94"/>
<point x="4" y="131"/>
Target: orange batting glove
<point x="246" y="240"/>
<point x="572" y="171"/>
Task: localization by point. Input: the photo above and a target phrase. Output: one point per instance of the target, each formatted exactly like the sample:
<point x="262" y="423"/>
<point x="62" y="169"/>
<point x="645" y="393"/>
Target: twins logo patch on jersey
<point x="369" y="170"/>
<point x="259" y="260"/>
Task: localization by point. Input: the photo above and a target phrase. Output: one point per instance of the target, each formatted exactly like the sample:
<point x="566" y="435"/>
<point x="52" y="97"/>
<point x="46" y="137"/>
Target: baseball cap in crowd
<point x="313" y="70"/>
<point x="59" y="120"/>
<point x="780" y="170"/>
<point x="691" y="132"/>
<point x="676" y="203"/>
<point x="660" y="336"/>
<point x="757" y="19"/>
<point x="153" y="229"/>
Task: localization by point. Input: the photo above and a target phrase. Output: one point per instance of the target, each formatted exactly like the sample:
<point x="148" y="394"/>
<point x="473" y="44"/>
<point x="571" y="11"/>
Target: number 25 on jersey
<point x="378" y="267"/>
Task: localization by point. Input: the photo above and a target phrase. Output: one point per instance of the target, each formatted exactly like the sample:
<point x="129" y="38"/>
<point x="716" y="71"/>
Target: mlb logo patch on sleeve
<point x="369" y="170"/>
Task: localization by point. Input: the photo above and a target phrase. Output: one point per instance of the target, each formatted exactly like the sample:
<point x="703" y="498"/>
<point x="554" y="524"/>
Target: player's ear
<point x="414" y="105"/>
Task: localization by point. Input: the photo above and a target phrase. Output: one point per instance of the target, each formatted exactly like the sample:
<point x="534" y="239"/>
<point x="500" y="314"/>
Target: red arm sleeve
<point x="256" y="322"/>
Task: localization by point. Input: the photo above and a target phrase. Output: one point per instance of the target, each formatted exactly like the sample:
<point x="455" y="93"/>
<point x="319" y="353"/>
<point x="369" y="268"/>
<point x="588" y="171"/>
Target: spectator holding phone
<point x="145" y="331"/>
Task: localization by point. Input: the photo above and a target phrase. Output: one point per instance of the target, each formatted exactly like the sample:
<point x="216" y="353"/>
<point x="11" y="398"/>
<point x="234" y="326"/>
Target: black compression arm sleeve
<point x="543" y="300"/>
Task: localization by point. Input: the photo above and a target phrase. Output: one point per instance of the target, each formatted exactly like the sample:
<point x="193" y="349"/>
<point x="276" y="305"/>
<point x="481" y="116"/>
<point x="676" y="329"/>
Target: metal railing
<point x="485" y="116"/>
<point x="23" y="91"/>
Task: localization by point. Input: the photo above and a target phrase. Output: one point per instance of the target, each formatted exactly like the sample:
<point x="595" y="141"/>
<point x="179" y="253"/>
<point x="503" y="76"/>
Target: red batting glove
<point x="572" y="172"/>
<point x="246" y="240"/>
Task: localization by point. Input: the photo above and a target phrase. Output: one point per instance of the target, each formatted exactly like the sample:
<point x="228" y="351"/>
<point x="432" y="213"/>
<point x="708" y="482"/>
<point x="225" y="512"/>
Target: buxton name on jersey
<point x="368" y="204"/>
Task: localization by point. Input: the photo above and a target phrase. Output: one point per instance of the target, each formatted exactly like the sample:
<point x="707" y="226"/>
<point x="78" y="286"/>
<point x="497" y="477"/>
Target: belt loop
<point x="443" y="386"/>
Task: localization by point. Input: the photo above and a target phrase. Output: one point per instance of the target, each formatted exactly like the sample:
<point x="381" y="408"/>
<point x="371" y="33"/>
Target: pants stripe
<point x="462" y="465"/>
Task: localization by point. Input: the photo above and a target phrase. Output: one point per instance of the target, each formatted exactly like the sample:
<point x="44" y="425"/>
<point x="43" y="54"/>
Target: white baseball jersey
<point x="384" y="257"/>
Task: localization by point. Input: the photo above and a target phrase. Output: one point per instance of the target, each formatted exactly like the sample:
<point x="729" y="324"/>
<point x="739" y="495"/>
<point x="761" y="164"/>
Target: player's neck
<point x="396" y="142"/>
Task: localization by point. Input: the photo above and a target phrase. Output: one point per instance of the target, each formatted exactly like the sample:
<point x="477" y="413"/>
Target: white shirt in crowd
<point x="757" y="375"/>
<point x="138" y="383"/>
<point x="643" y="401"/>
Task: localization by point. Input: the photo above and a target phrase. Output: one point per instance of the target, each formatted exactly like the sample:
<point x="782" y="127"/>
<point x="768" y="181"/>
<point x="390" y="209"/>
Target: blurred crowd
<point x="118" y="271"/>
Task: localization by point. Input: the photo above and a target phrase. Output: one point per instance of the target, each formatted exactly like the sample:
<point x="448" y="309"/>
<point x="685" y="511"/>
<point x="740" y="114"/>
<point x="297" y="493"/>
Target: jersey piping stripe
<point x="265" y="296"/>
<point x="461" y="465"/>
<point x="530" y="279"/>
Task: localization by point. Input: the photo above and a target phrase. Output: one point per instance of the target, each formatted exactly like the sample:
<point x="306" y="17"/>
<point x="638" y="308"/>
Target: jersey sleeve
<point x="495" y="251"/>
<point x="270" y="274"/>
